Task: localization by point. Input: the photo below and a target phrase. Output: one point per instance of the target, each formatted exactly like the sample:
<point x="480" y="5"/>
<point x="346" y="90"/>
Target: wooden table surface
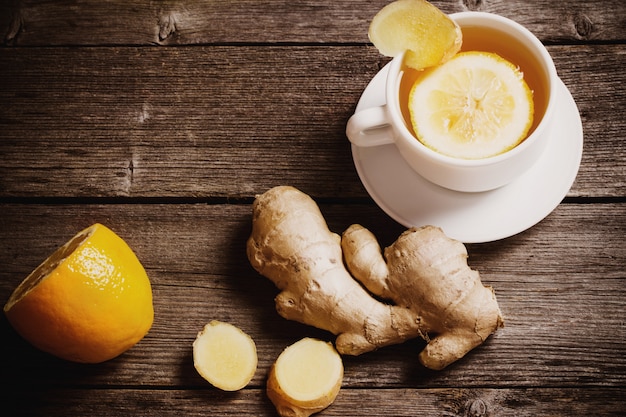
<point x="163" y="120"/>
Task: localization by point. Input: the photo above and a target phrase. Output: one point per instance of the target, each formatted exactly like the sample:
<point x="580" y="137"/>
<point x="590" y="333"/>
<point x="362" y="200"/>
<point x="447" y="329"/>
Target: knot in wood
<point x="15" y="28"/>
<point x="583" y="25"/>
<point x="473" y="5"/>
<point x="167" y="26"/>
<point x="476" y="408"/>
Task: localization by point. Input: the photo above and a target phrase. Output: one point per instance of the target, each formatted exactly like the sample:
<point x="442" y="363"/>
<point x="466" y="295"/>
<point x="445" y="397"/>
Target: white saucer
<point x="472" y="217"/>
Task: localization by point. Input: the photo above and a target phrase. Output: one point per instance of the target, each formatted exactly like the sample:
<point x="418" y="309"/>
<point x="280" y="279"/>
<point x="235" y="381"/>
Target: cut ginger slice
<point x="428" y="35"/>
<point x="305" y="379"/>
<point x="476" y="105"/>
<point x="225" y="356"/>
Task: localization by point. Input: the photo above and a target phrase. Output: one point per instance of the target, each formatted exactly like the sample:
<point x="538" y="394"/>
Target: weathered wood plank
<point x="89" y="129"/>
<point x="189" y="121"/>
<point x="174" y="114"/>
<point x="408" y="402"/>
<point x="179" y="22"/>
<point x="599" y="89"/>
<point x="193" y="238"/>
<point x="560" y="286"/>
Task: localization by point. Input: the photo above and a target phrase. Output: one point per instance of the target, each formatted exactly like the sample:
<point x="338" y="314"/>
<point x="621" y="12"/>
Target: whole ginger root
<point x="424" y="274"/>
<point x="427" y="272"/>
<point x="291" y="245"/>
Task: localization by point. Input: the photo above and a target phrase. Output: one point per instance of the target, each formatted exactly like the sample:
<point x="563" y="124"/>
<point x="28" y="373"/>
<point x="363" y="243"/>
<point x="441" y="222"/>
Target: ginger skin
<point x="427" y="272"/>
<point x="291" y="245"/>
<point x="425" y="276"/>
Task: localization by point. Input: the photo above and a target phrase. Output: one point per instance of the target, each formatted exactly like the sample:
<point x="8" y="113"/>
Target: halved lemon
<point x="428" y="35"/>
<point x="474" y="106"/>
<point x="90" y="301"/>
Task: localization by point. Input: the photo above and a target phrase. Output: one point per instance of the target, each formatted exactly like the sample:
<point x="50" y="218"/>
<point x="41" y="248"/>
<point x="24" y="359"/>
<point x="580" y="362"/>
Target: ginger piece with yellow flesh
<point x="429" y="36"/>
<point x="225" y="356"/>
<point x="424" y="274"/>
<point x="305" y="379"/>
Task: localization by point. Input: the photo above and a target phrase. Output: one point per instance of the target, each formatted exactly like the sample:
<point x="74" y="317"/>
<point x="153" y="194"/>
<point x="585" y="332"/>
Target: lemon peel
<point x="89" y="301"/>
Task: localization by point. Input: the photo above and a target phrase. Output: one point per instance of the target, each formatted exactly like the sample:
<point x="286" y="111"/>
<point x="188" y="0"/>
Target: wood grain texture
<point x="163" y="120"/>
<point x="560" y="286"/>
<point x="349" y="403"/>
<point x="190" y="121"/>
<point x="186" y="22"/>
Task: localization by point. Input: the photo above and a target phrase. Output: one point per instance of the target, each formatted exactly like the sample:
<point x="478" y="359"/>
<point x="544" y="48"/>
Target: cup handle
<point x="370" y="127"/>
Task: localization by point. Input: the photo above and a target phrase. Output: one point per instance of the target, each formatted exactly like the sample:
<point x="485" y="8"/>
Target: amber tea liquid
<point x="483" y="39"/>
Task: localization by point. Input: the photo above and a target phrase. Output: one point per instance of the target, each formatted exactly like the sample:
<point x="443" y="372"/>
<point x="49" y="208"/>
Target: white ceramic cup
<point x="485" y="32"/>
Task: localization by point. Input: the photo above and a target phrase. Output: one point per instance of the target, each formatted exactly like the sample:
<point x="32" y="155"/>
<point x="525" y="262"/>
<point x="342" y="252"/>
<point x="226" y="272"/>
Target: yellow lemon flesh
<point x="476" y="105"/>
<point x="90" y="301"/>
<point x="428" y="35"/>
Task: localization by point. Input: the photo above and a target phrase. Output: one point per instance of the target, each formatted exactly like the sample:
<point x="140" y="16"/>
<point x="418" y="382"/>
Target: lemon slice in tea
<point x="428" y="35"/>
<point x="476" y="105"/>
